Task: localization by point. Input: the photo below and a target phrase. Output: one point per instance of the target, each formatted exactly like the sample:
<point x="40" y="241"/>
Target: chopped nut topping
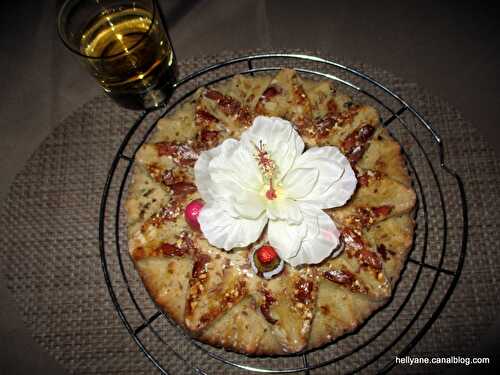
<point x="181" y="153"/>
<point x="264" y="308"/>
<point x="355" y="144"/>
<point x="200" y="265"/>
<point x="343" y="277"/>
<point x="231" y="107"/>
<point x="303" y="290"/>
<point x="369" y="258"/>
<point x="384" y="251"/>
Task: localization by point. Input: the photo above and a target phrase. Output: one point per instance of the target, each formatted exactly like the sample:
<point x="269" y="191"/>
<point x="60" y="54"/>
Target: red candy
<point x="192" y="212"/>
<point x="266" y="254"/>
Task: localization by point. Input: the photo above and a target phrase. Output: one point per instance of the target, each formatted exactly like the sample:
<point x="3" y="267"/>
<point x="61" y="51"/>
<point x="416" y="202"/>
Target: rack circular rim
<point x="395" y="114"/>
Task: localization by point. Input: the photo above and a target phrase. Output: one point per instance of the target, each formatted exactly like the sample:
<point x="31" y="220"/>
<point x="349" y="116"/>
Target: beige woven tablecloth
<point x="50" y="249"/>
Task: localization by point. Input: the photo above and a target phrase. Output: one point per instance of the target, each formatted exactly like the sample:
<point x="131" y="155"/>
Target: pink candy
<point x="192" y="212"/>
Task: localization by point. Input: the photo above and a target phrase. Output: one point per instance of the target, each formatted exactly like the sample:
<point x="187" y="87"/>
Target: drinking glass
<point x="124" y="45"/>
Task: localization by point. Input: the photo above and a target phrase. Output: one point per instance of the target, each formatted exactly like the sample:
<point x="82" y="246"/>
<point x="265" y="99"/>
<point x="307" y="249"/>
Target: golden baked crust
<point x="214" y="294"/>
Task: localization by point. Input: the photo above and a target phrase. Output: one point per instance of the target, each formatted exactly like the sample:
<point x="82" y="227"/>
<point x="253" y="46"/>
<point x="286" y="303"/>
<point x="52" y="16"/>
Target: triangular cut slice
<point x="167" y="281"/>
<point x="338" y="311"/>
<point x="384" y="155"/>
<point x="285" y="97"/>
<point x="346" y="125"/>
<point x="392" y="239"/>
<point x="212" y="129"/>
<point x="178" y="126"/>
<point x="145" y="198"/>
<point x="248" y="89"/>
<point x="333" y="111"/>
<point x="168" y="163"/>
<point x="242" y="328"/>
<point x="235" y="115"/>
<point x="359" y="269"/>
<point x="214" y="288"/>
<point x="377" y="198"/>
<point x="288" y="305"/>
<point x="165" y="232"/>
<point x="320" y="94"/>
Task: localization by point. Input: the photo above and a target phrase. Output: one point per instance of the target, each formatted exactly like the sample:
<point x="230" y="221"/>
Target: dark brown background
<point x="450" y="48"/>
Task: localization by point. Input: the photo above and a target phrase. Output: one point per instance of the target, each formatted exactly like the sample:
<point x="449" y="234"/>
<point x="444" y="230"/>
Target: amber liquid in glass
<point x="132" y="57"/>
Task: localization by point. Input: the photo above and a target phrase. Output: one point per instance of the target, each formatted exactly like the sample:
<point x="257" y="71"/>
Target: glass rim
<point x="68" y="45"/>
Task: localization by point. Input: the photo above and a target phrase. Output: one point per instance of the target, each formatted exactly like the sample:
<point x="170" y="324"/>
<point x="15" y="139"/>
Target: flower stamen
<point x="267" y="167"/>
<point x="265" y="163"/>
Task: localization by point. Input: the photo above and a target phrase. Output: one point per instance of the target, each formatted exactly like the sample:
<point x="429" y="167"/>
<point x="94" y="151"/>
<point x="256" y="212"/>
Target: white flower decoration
<point x="266" y="179"/>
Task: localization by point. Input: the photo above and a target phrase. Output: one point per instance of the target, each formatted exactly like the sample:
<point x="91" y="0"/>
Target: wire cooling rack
<point x="430" y="275"/>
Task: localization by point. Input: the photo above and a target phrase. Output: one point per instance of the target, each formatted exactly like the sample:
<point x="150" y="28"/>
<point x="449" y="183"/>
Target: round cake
<point x="242" y="291"/>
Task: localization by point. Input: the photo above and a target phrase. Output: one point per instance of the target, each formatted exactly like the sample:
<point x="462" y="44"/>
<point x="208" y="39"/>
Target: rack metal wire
<point x="439" y="246"/>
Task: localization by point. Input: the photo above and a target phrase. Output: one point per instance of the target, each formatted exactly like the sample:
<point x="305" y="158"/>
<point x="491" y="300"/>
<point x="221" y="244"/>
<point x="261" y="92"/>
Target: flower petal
<point x="336" y="181"/>
<point x="226" y="170"/>
<point x="299" y="182"/>
<point x="284" y="209"/>
<point x="321" y="239"/>
<point x="279" y="138"/>
<point x="285" y="238"/>
<point x="218" y="171"/>
<point x="248" y="204"/>
<point x="226" y="232"/>
<point x="202" y="175"/>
